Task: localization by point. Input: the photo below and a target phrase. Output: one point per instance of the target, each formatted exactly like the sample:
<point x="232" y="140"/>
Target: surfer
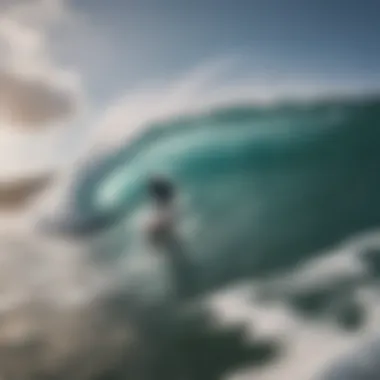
<point x="163" y="235"/>
<point x="161" y="224"/>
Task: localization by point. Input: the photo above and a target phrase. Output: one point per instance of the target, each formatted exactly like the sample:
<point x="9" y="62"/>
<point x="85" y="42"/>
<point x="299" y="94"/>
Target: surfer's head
<point x="161" y="189"/>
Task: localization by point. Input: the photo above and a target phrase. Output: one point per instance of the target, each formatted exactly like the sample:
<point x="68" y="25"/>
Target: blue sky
<point x="335" y="39"/>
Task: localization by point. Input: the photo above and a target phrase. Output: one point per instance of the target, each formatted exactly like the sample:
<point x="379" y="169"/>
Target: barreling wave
<point x="267" y="186"/>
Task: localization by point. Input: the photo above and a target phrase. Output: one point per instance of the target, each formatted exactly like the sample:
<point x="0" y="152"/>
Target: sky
<point x="333" y="39"/>
<point x="77" y="71"/>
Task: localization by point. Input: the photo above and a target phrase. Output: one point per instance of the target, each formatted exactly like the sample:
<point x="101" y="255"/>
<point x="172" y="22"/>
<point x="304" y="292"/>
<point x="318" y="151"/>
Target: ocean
<point x="266" y="193"/>
<point x="263" y="189"/>
<point x="278" y="216"/>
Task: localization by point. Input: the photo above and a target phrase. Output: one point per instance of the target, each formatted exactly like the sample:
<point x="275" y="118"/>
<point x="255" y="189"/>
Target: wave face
<point x="264" y="187"/>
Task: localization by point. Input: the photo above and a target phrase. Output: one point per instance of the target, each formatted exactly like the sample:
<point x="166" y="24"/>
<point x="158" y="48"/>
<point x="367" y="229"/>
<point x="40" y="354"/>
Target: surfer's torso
<point x="160" y="226"/>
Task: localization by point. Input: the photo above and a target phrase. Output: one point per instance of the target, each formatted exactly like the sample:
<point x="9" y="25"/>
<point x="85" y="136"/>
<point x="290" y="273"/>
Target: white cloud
<point x="16" y="194"/>
<point x="38" y="96"/>
<point x="33" y="103"/>
<point x="35" y="91"/>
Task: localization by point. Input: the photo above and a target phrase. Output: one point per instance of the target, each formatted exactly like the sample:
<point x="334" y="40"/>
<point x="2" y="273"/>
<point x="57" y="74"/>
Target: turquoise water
<point x="267" y="187"/>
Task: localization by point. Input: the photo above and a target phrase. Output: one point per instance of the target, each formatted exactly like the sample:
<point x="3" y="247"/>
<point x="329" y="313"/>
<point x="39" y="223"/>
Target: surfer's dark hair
<point x="161" y="188"/>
